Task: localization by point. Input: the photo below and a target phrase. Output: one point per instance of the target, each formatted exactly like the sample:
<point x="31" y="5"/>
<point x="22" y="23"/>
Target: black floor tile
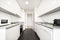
<point x="29" y="34"/>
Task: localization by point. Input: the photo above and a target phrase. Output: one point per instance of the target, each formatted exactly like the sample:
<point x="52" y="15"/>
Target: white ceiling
<point x="28" y="4"/>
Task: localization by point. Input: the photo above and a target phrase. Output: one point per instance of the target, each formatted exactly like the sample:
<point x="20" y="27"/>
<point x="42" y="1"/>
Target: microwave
<point x="4" y="21"/>
<point x="57" y="22"/>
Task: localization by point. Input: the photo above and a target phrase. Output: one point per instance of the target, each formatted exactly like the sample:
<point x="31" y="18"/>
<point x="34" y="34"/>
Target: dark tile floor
<point x="28" y="34"/>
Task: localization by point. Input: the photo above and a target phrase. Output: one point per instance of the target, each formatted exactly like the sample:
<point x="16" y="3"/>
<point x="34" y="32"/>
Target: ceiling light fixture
<point x="26" y="2"/>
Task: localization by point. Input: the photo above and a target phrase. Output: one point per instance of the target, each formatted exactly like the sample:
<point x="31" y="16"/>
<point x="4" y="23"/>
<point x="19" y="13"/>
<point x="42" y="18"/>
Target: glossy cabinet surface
<point x="43" y="32"/>
<point x="13" y="33"/>
<point x="10" y="5"/>
<point x="2" y="33"/>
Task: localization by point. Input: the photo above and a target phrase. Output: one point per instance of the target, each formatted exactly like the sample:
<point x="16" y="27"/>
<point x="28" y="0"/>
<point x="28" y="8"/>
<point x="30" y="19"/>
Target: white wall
<point x="29" y="20"/>
<point x="49" y="18"/>
<point x="10" y="18"/>
<point x="43" y="32"/>
<point x="45" y="6"/>
<point x="22" y="19"/>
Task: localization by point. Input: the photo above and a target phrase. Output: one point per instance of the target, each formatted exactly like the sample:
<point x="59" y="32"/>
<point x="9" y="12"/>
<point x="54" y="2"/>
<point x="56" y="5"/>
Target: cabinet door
<point x="56" y="34"/>
<point x="2" y="33"/>
<point x="43" y="32"/>
<point x="13" y="33"/>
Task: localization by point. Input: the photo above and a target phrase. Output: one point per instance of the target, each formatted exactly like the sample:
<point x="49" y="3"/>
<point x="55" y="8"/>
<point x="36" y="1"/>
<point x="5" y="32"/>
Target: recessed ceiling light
<point x="26" y="2"/>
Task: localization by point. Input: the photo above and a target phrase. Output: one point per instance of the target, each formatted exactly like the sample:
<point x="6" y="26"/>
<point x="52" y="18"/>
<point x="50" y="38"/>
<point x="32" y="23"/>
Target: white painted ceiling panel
<point x="28" y="4"/>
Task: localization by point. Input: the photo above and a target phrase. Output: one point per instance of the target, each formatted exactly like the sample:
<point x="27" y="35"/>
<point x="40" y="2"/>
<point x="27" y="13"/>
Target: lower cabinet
<point x="2" y="33"/>
<point x="13" y="33"/>
<point x="56" y="33"/>
<point x="43" y="32"/>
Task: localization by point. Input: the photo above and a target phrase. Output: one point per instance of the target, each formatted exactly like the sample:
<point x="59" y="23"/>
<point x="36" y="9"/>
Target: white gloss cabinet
<point x="2" y="33"/>
<point x="56" y="34"/>
<point x="13" y="33"/>
<point x="10" y="5"/>
<point x="43" y="32"/>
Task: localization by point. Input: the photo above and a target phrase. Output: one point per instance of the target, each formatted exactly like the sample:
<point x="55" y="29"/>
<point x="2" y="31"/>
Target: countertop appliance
<point x="4" y="21"/>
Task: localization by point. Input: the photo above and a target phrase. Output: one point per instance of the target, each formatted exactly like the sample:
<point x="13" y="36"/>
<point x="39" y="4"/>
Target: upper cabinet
<point x="8" y="12"/>
<point x="46" y="6"/>
<point x="10" y="5"/>
<point x="51" y="11"/>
